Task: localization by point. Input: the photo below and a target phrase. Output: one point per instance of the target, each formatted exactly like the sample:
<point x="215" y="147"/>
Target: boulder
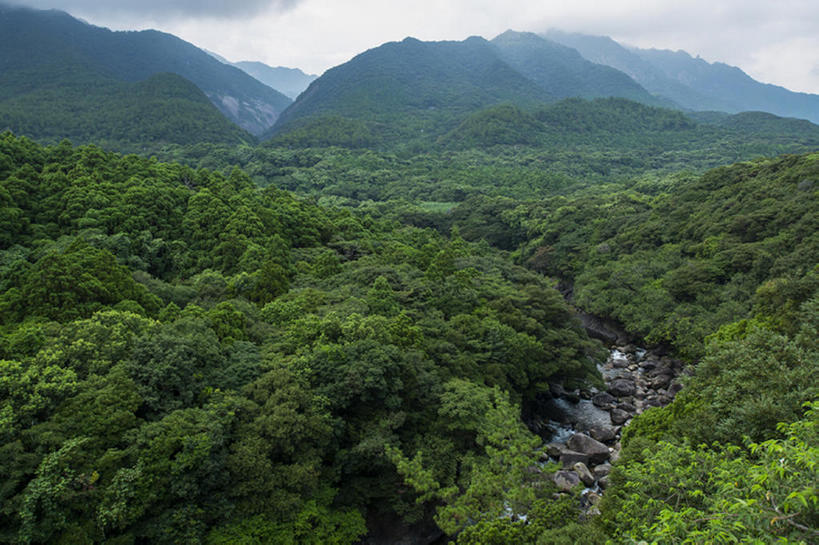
<point x="555" y="449"/>
<point x="570" y="457"/>
<point x="583" y="472"/>
<point x="603" y="482"/>
<point x="674" y="388"/>
<point x="566" y="480"/>
<point x="603" y="400"/>
<point x="596" y="451"/>
<point x="622" y="387"/>
<point x="602" y="470"/>
<point x="593" y="498"/>
<point x="628" y="407"/>
<point x="661" y="381"/>
<point x="615" y="451"/>
<point x="604" y="435"/>
<point x="619" y="416"/>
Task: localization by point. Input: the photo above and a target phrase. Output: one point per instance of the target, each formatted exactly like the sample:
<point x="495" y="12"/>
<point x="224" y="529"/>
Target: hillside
<point x="288" y="81"/>
<point x="691" y="82"/>
<point x="564" y="73"/>
<point x="417" y="86"/>
<point x="141" y="116"/>
<point x="37" y="44"/>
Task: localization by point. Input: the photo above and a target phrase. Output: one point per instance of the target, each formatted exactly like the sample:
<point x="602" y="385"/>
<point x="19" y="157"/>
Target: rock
<point x="628" y="407"/>
<point x="649" y="365"/>
<point x="661" y="381"/>
<point x="555" y="449"/>
<point x="604" y="435"/>
<point x="602" y="470"/>
<point x="603" y="400"/>
<point x="595" y="450"/>
<point x="570" y="457"/>
<point x="622" y="387"/>
<point x="593" y="498"/>
<point x="603" y="482"/>
<point x="619" y="416"/>
<point x="674" y="388"/>
<point x="615" y="451"/>
<point x="557" y="390"/>
<point x="583" y="472"/>
<point x="566" y="480"/>
<point x="619" y="363"/>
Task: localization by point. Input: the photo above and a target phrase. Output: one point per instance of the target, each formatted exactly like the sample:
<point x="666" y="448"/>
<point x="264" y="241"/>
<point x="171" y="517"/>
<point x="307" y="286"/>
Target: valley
<point x="480" y="292"/>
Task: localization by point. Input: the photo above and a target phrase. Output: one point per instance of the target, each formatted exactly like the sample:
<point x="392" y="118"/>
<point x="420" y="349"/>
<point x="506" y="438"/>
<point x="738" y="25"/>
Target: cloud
<point x="164" y="9"/>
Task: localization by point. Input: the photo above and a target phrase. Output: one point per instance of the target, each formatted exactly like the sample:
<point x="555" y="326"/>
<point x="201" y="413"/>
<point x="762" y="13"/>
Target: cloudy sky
<point x="773" y="41"/>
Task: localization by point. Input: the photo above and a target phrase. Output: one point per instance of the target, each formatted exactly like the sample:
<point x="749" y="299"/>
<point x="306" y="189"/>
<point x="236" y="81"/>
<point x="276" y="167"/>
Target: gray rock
<point x="570" y="457"/>
<point x="555" y="449"/>
<point x="619" y="416"/>
<point x="661" y="381"/>
<point x="603" y="482"/>
<point x="622" y="387"/>
<point x="604" y="435"/>
<point x="615" y="451"/>
<point x="595" y="450"/>
<point x="603" y="399"/>
<point x="583" y="472"/>
<point x="649" y="365"/>
<point x="593" y="498"/>
<point x="628" y="407"/>
<point x="602" y="470"/>
<point x="566" y="480"/>
<point x="674" y="388"/>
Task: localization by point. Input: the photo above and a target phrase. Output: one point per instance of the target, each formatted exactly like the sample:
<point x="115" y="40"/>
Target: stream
<point x="582" y="428"/>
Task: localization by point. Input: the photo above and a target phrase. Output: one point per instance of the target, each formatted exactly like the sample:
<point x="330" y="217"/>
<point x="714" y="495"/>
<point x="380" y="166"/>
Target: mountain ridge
<point x="37" y="38"/>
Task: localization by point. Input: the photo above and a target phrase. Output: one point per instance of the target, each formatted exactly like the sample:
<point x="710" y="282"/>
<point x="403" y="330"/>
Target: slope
<point x="563" y="72"/>
<point x="37" y="42"/>
<point x="414" y="86"/>
<point x="692" y="83"/>
<point x="288" y="81"/>
<point x="141" y="116"/>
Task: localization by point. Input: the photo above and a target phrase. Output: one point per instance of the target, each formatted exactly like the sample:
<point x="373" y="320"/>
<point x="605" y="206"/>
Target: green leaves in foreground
<point x="681" y="494"/>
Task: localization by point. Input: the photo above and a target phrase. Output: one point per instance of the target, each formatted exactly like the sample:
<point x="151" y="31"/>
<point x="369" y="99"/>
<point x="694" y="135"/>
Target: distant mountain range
<point x="48" y="49"/>
<point x="61" y="77"/>
<point x="692" y="82"/>
<point x="428" y="85"/>
<point x="289" y="81"/>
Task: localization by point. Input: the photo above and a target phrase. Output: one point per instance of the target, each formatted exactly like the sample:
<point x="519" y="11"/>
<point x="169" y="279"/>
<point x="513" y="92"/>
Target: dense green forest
<point x="192" y="357"/>
<point x="355" y="326"/>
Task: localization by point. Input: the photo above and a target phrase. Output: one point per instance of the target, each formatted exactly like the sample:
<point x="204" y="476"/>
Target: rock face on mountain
<point x="49" y="48"/>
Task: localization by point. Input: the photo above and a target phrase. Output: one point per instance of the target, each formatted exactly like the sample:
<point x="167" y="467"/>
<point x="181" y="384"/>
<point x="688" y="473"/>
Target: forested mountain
<point x="378" y="326"/>
<point x="187" y="357"/>
<point x="87" y="106"/>
<point x="41" y="50"/>
<point x="564" y="73"/>
<point x="413" y="85"/>
<point x="691" y="82"/>
<point x="289" y="81"/>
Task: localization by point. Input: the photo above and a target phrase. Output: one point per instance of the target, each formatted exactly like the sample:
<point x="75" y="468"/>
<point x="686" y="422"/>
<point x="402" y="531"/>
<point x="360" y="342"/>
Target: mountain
<point x="87" y="107"/>
<point x="289" y="81"/>
<point x="625" y="126"/>
<point x="564" y="73"/>
<point x="413" y="89"/>
<point x="36" y="44"/>
<point x="692" y="82"/>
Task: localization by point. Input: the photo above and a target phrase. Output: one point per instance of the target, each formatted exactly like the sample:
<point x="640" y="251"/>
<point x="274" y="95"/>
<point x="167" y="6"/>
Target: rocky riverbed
<point x="583" y="427"/>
